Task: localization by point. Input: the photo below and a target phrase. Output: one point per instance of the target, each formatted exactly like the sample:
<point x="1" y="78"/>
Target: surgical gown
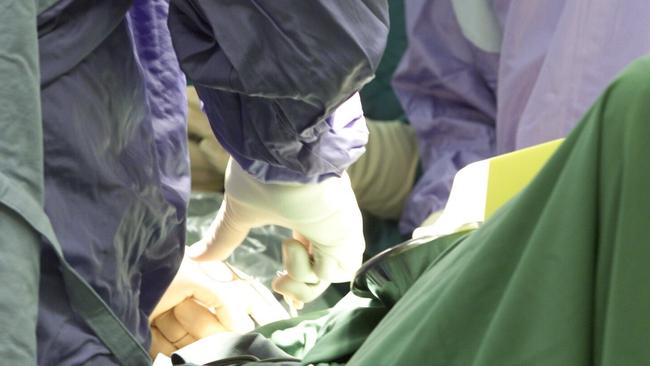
<point x="106" y="160"/>
<point x="272" y="74"/>
<point x="115" y="167"/>
<point x="490" y="76"/>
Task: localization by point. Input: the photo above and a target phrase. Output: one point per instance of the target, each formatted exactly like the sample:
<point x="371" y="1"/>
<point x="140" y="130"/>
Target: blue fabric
<point x="114" y="139"/>
<point x="116" y="166"/>
<point x="271" y="73"/>
<point x="469" y="100"/>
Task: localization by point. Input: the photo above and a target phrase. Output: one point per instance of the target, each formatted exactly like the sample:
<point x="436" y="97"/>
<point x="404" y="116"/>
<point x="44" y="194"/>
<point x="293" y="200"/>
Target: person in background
<point x="486" y="77"/>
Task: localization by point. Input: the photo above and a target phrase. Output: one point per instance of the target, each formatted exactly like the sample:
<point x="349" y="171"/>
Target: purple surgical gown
<point x="272" y="74"/>
<point x="490" y="76"/>
<point x="114" y="134"/>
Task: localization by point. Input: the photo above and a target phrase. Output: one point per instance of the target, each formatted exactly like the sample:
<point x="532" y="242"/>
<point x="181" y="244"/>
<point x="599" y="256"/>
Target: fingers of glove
<point x="330" y="264"/>
<point x="159" y="344"/>
<point x="297" y="262"/>
<point x="228" y="230"/>
<point x="262" y="315"/>
<point x="200" y="284"/>
<point x="175" y="293"/>
<point x="171" y="330"/>
<point x="197" y="320"/>
<point x="340" y="267"/>
<point x="296" y="290"/>
<point x="229" y="301"/>
<point x="260" y="302"/>
<point x="296" y="304"/>
<point x="264" y="309"/>
<point x="336" y="241"/>
<point x="169" y="327"/>
<point x="217" y="271"/>
<point x="193" y="279"/>
<point x="186" y="340"/>
<point x="234" y="317"/>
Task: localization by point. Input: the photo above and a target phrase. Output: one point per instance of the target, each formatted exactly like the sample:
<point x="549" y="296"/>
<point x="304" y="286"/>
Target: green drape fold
<point x="560" y="275"/>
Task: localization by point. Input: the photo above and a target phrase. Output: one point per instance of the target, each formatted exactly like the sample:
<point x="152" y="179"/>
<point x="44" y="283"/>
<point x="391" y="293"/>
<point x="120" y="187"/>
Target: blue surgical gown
<point x="116" y="166"/>
<point x="116" y="177"/>
<point x="272" y="75"/>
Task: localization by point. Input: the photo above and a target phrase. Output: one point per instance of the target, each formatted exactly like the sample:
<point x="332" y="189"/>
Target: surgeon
<point x="490" y="76"/>
<point x="94" y="174"/>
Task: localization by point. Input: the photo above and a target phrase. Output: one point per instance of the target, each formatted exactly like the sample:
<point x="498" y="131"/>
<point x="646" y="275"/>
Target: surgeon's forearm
<point x="319" y="51"/>
<point x="275" y="77"/>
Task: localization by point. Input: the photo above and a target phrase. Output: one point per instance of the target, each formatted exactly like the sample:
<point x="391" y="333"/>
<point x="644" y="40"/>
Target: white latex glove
<point x="204" y="299"/>
<point x="328" y="239"/>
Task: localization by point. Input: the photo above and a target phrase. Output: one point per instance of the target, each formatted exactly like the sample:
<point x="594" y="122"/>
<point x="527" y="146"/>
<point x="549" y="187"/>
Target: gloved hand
<point x="203" y="299"/>
<point x="328" y="241"/>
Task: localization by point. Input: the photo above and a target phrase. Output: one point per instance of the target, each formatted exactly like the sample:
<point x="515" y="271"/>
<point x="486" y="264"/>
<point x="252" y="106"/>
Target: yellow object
<point x="510" y="173"/>
<point x="480" y="188"/>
